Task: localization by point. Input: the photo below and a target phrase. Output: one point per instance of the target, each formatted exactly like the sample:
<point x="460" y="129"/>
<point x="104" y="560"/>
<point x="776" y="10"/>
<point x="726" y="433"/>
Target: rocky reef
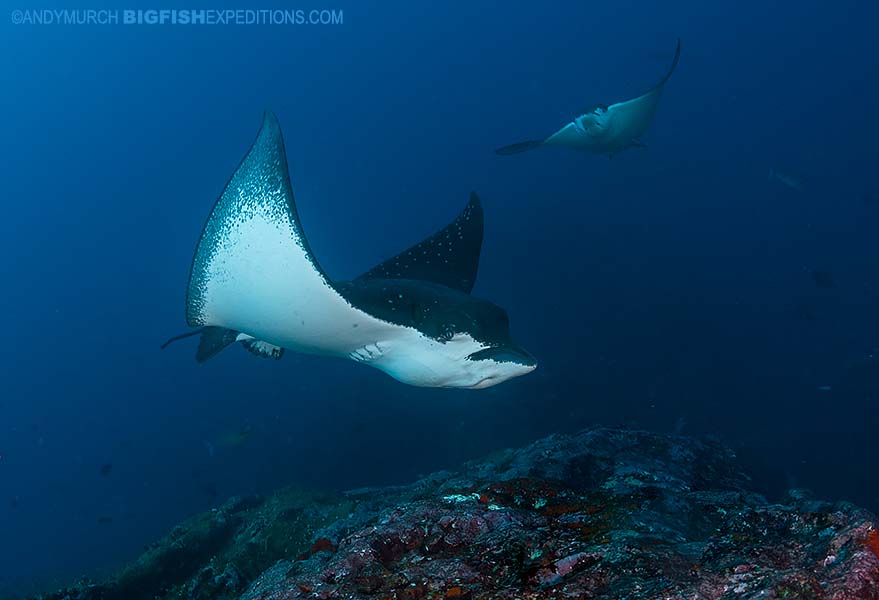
<point x="605" y="514"/>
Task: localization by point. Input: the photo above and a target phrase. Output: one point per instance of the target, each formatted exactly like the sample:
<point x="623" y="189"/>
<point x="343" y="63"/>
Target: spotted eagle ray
<point x="605" y="129"/>
<point x="255" y="280"/>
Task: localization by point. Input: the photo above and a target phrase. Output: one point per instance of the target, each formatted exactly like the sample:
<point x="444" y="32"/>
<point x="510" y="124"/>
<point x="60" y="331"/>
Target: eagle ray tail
<point x="182" y="336"/>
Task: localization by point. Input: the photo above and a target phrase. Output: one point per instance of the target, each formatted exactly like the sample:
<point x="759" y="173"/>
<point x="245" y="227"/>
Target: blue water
<point x="669" y="288"/>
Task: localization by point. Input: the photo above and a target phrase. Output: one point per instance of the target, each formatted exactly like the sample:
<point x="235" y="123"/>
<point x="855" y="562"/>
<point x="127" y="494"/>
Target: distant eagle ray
<point x="605" y="129"/>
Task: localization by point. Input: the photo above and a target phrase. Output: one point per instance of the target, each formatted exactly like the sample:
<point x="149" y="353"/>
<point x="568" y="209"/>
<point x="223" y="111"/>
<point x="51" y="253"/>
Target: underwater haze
<point x="723" y="280"/>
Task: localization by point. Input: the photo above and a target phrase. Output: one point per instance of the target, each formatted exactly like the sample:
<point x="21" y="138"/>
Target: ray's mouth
<point x="505" y="354"/>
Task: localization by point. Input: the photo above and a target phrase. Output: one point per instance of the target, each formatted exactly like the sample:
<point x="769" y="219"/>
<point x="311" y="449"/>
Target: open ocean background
<point x="669" y="289"/>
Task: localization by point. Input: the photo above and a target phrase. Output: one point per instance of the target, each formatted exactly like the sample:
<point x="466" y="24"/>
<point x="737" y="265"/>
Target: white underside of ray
<point x="253" y="273"/>
<point x="260" y="281"/>
<point x="619" y="127"/>
<point x="423" y="361"/>
<point x="263" y="284"/>
<point x="631" y="119"/>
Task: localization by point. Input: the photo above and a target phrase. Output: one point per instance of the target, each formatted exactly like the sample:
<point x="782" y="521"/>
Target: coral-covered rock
<point x="601" y="514"/>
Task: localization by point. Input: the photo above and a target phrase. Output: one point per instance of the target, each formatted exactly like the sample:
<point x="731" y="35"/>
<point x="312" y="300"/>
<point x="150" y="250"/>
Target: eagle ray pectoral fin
<point x="253" y="270"/>
<point x="450" y="257"/>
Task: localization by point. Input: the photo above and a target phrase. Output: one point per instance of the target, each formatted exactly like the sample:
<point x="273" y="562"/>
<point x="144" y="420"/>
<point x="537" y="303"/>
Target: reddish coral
<point x="567" y="521"/>
<point x="322" y="545"/>
<point x="563" y="509"/>
<point x="416" y="591"/>
<point x="873" y="542"/>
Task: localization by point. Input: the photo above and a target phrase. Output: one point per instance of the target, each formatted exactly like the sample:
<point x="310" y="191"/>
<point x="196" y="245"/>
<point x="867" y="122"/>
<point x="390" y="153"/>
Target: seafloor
<point x="605" y="513"/>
